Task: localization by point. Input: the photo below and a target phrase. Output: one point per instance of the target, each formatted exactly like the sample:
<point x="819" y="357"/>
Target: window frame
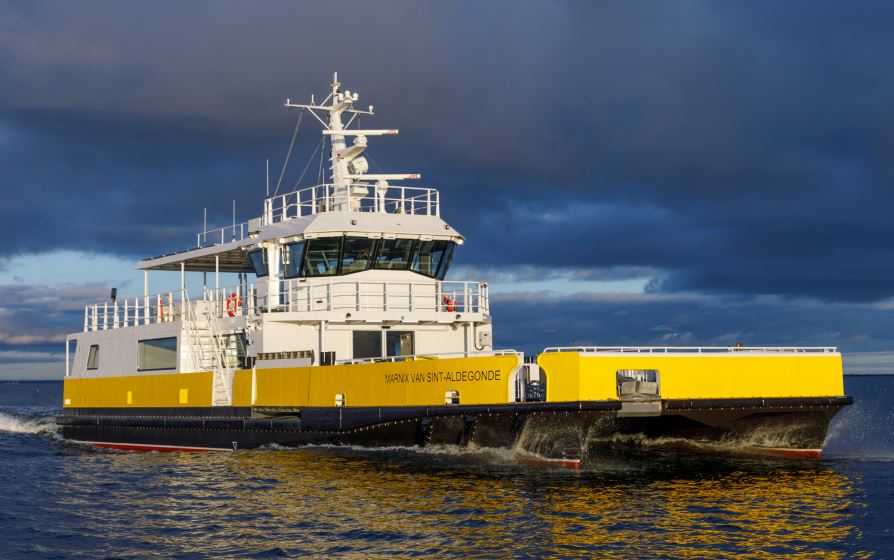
<point x="299" y="270"/>
<point x="263" y="261"/>
<point x="414" y="242"/>
<point x="94" y="355"/>
<point x="176" y="350"/>
<point x="308" y="243"/>
<point x="373" y="254"/>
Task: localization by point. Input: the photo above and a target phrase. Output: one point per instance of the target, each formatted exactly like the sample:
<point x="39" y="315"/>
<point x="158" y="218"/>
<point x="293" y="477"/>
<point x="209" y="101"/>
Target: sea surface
<point x="65" y="500"/>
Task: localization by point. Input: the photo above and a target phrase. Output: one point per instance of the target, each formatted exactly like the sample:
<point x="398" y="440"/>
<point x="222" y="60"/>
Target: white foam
<point x="16" y="424"/>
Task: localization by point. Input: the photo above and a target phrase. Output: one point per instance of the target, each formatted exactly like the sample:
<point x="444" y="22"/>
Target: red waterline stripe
<point x="788" y="452"/>
<point x="566" y="463"/>
<point x="148" y="447"/>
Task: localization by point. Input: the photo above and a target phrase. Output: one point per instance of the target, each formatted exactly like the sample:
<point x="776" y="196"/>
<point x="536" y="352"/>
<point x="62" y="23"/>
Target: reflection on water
<point x="63" y="500"/>
<point x="322" y="501"/>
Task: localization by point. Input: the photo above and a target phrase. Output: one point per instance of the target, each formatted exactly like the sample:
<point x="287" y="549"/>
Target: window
<point x="93" y="357"/>
<point x="292" y="254"/>
<point x="157" y="353"/>
<point x="445" y="261"/>
<point x="427" y="259"/>
<point x="398" y="343"/>
<point x="321" y="256"/>
<point x="259" y="262"/>
<point x="367" y="344"/>
<point x="394" y="254"/>
<point x="234" y="348"/>
<point x="358" y="254"/>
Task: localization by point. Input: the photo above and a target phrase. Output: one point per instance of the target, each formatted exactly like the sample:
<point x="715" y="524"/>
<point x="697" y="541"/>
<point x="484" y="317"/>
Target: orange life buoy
<point x="234" y="303"/>
<point x="450" y="304"/>
<point x="161" y="308"/>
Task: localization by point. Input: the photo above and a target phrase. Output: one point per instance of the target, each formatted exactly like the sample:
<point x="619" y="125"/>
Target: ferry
<point x="343" y="329"/>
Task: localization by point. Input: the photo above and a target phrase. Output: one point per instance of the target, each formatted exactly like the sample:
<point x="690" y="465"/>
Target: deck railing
<point x="695" y="349"/>
<point x="448" y="297"/>
<point x="297" y="296"/>
<point x="166" y="307"/>
<point x="219" y="236"/>
<point x="360" y="197"/>
<point x="435" y="356"/>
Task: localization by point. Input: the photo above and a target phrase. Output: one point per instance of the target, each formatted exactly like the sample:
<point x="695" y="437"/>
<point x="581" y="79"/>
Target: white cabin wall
<point x="118" y="349"/>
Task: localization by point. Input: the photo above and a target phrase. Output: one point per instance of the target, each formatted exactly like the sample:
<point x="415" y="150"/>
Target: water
<point x="64" y="500"/>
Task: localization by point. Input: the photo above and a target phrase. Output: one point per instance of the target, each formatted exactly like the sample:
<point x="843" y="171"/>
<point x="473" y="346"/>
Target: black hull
<point x="549" y="429"/>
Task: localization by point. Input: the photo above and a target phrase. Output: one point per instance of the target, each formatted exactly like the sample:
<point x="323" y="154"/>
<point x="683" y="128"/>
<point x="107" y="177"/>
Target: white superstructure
<point x="348" y="270"/>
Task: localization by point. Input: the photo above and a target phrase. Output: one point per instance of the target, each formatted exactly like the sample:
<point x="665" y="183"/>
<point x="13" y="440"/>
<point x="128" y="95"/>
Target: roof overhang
<point x="226" y="257"/>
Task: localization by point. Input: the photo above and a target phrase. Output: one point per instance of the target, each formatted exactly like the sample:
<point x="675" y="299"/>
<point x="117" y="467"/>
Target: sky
<point x="638" y="173"/>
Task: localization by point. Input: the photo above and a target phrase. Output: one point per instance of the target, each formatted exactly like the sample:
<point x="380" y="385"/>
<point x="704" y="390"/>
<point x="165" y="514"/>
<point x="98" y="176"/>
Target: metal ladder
<point x="209" y="348"/>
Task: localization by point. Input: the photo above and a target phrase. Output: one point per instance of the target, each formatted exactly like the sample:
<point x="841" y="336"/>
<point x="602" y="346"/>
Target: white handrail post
<point x="115" y="316"/>
<point x="126" y="321"/>
<point x="86" y="315"/>
<point x="357" y="296"/>
<point x="105" y="316"/>
<point x="95" y="326"/>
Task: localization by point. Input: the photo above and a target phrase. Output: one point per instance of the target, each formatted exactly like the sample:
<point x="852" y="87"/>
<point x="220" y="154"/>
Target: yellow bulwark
<point x="585" y="376"/>
<point x="478" y="380"/>
<point x="570" y="376"/>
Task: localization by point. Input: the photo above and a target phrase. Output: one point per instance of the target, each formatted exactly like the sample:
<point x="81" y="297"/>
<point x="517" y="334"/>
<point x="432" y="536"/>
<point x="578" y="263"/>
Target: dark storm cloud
<point x="532" y="321"/>
<point x="741" y="148"/>
<point x="35" y="316"/>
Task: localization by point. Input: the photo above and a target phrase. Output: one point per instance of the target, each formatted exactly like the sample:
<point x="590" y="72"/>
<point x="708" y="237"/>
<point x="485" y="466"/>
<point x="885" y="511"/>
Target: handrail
<point x="227" y="234"/>
<point x="359" y="197"/>
<point x="132" y="311"/>
<point x="436" y="356"/>
<point x="383" y="295"/>
<point x="692" y="349"/>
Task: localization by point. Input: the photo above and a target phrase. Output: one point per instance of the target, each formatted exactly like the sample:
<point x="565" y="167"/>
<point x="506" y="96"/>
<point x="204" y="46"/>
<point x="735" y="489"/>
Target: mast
<point x="348" y="169"/>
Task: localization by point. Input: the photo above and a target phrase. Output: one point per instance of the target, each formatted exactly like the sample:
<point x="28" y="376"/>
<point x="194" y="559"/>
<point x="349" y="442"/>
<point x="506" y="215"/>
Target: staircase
<point x="210" y="349"/>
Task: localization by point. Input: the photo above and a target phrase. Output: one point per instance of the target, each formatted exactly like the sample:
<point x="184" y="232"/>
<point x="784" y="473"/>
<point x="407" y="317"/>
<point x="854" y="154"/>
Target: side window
<point x="292" y="254"/>
<point x="321" y="256"/>
<point x="427" y="260"/>
<point x="93" y="357"/>
<point x="259" y="262"/>
<point x="157" y="353"/>
<point x="357" y="255"/>
<point x="367" y="344"/>
<point x="394" y="254"/>
<point x="445" y="261"/>
<point x="399" y="343"/>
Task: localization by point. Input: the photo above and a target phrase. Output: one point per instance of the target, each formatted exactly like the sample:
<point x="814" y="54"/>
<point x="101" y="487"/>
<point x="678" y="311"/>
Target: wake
<point x="42" y="423"/>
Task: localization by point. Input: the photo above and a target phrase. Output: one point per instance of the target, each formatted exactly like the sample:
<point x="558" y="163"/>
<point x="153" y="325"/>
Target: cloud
<point x="731" y="151"/>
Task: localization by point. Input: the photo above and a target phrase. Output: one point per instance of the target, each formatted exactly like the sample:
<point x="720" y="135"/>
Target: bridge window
<point x="292" y="255"/>
<point x="259" y="262"/>
<point x="394" y="254"/>
<point x="427" y="259"/>
<point x="357" y="255"/>
<point x="321" y="256"/>
<point x="157" y="353"/>
<point x="93" y="357"/>
<point x="445" y="261"/>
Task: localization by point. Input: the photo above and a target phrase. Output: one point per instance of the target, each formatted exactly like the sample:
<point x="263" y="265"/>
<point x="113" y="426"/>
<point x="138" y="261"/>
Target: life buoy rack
<point x="234" y="304"/>
<point x="161" y="308"/>
<point x="449" y="304"/>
